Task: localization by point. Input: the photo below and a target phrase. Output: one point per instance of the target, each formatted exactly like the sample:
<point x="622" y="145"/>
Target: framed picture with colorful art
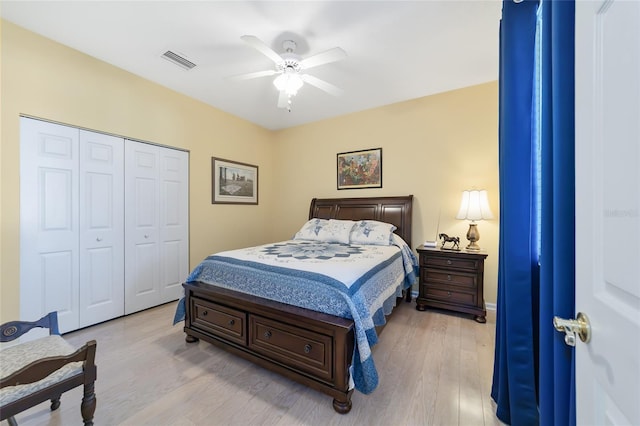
<point x="233" y="182"/>
<point x="360" y="169"/>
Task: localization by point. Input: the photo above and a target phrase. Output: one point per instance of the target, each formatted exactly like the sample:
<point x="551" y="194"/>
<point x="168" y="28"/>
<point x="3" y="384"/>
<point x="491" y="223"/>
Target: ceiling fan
<point x="290" y="67"/>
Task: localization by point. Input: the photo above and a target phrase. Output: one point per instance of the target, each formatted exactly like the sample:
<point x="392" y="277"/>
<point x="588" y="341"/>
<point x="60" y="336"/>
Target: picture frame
<point x="359" y="169"/>
<point x="233" y="182"/>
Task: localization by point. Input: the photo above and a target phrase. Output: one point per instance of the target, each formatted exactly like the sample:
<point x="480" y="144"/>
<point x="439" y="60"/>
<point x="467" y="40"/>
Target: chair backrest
<point x="12" y="330"/>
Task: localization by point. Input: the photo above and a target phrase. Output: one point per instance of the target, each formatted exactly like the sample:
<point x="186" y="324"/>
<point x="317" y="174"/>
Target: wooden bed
<point x="310" y="347"/>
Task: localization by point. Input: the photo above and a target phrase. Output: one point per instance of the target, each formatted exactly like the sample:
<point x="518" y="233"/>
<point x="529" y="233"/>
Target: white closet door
<point x="142" y="226"/>
<point x="49" y="222"/>
<point x="174" y="223"/>
<point x="101" y="227"/>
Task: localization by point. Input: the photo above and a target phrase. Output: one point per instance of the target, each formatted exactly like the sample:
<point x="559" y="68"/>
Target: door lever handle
<point x="571" y="327"/>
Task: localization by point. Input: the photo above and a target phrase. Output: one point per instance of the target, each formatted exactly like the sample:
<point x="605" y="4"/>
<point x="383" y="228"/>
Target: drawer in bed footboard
<point x="223" y="321"/>
<point x="299" y="348"/>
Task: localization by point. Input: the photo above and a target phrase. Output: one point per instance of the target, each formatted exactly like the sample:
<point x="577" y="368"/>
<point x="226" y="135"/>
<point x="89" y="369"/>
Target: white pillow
<point x="372" y="232"/>
<point x="328" y="231"/>
<point x="311" y="229"/>
<point x="339" y="231"/>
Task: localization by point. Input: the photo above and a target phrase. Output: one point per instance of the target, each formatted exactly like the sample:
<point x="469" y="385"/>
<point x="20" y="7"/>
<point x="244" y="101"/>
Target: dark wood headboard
<point x="394" y="210"/>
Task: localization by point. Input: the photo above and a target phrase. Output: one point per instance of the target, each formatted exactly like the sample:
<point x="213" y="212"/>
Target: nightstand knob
<point x="204" y="313"/>
<point x="307" y="348"/>
<point x="232" y="322"/>
<point x="448" y="262"/>
<point x="267" y="334"/>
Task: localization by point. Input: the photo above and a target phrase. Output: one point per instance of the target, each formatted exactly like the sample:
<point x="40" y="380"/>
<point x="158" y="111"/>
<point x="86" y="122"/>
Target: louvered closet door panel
<point x="142" y="223"/>
<point x="49" y="249"/>
<point x="174" y="221"/>
<point x="101" y="227"/>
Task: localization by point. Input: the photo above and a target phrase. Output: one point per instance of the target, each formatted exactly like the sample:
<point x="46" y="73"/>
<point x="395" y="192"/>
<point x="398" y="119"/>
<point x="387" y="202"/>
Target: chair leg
<point x="88" y="406"/>
<point x="55" y="403"/>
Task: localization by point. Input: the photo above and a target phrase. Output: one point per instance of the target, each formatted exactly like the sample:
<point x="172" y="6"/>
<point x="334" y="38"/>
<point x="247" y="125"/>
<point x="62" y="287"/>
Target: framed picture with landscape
<point x="360" y="169"/>
<point x="233" y="182"/>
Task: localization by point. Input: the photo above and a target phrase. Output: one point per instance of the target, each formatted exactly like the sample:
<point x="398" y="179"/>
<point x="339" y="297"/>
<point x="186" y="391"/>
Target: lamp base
<point x="473" y="247"/>
<point x="473" y="236"/>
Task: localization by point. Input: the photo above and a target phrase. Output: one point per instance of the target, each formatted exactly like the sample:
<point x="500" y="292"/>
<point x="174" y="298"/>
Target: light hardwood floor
<point x="435" y="368"/>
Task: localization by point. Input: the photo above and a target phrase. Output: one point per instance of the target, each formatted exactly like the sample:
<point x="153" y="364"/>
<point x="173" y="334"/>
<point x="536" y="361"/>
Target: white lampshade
<point x="289" y="81"/>
<point x="474" y="206"/>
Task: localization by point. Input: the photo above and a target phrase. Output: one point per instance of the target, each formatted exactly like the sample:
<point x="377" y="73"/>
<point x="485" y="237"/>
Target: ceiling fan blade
<point x="250" y="75"/>
<point x="322" y="85"/>
<point x="261" y="47"/>
<point x="283" y="99"/>
<point x="325" y="57"/>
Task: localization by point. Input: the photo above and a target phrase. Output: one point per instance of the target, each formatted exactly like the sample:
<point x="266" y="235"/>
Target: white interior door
<point x="174" y="222"/>
<point x="101" y="227"/>
<point x="156" y="223"/>
<point x="608" y="210"/>
<point x="49" y="222"/>
<point x="142" y="226"/>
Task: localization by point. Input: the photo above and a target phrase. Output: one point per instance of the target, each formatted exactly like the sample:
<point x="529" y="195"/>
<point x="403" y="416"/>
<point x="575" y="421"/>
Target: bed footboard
<point x="310" y="347"/>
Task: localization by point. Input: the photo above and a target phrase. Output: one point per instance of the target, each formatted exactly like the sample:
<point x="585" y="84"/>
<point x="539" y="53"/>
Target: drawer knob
<point x="448" y="262"/>
<point x="448" y="294"/>
<point x="307" y="348"/>
<point x="204" y="313"/>
<point x="232" y="322"/>
<point x="448" y="277"/>
<point x="267" y="334"/>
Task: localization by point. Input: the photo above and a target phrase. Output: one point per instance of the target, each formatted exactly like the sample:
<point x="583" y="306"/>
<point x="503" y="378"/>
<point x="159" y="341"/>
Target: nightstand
<point x="452" y="280"/>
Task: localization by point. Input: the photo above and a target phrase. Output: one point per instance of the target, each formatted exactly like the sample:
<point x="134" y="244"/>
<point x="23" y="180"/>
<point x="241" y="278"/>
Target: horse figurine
<point x="447" y="239"/>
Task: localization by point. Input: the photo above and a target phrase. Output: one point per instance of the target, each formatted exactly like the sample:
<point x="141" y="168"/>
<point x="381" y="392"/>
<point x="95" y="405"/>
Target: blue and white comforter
<point x="359" y="282"/>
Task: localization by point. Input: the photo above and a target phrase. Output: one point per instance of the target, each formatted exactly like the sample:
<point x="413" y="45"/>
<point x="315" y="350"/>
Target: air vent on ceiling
<point x="178" y="60"/>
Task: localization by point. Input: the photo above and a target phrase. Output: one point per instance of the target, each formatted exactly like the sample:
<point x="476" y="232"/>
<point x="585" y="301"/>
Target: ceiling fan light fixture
<point x="288" y="66"/>
<point x="289" y="81"/>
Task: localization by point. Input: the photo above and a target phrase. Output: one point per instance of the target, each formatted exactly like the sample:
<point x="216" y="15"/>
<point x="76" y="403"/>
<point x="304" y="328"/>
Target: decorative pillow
<point x="328" y="231"/>
<point x="339" y="231"/>
<point x="311" y="229"/>
<point x="372" y="232"/>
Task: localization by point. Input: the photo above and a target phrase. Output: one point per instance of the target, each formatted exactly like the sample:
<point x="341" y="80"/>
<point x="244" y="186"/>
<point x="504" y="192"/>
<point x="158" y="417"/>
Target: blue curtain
<point x="515" y="363"/>
<point x="537" y="209"/>
<point x="557" y="263"/>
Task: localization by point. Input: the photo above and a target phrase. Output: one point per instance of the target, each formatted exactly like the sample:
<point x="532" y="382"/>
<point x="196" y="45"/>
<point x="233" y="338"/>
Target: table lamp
<point x="474" y="206"/>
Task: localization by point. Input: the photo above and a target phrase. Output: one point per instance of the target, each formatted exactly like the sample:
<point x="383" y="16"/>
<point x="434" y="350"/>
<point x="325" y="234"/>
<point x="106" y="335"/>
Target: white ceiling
<point x="397" y="50"/>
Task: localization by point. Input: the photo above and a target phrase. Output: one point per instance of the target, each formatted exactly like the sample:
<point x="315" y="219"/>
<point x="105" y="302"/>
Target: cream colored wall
<point x="433" y="147"/>
<point x="44" y="79"/>
<point x="1" y="177"/>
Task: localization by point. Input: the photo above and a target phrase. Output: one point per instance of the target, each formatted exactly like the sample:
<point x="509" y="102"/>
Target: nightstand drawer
<point x="439" y="276"/>
<point x="447" y="262"/>
<point x="450" y="296"/>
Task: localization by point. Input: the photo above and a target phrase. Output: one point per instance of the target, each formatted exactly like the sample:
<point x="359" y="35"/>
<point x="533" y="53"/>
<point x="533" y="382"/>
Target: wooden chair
<point x="39" y="370"/>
